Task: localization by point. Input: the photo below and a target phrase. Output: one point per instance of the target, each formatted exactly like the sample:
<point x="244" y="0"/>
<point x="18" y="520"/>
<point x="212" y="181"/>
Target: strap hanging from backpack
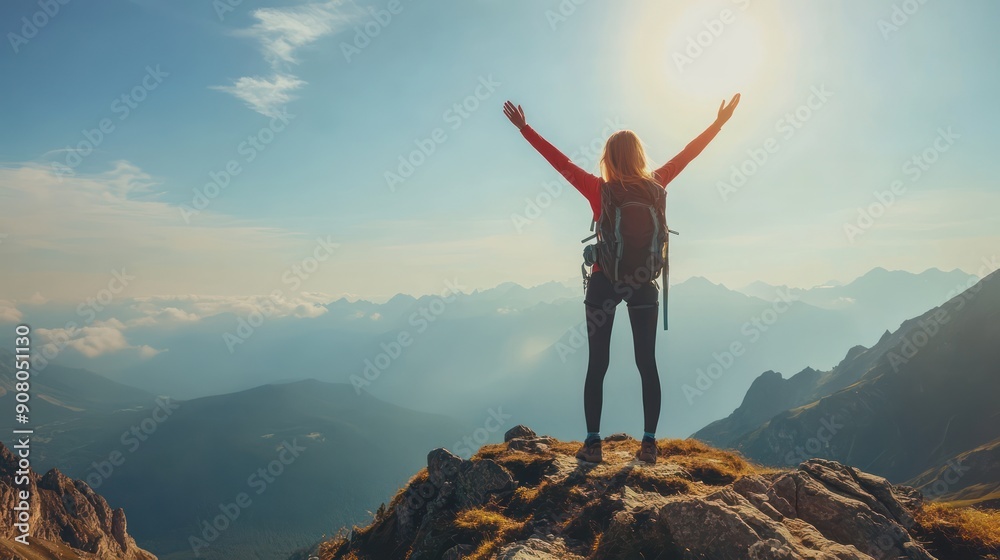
<point x="589" y="257"/>
<point x="666" y="273"/>
<point x="586" y="239"/>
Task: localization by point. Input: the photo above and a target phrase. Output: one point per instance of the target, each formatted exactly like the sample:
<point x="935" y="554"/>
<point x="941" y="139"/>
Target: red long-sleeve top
<point x="589" y="184"/>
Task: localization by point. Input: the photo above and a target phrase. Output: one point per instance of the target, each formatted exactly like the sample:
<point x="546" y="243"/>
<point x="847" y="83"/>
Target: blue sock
<point x="592" y="436"/>
<point x="648" y="436"/>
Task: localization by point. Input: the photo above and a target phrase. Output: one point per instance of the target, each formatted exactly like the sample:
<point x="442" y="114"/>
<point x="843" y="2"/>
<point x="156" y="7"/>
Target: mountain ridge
<point x="529" y="499"/>
<point x="63" y="513"/>
<point x="196" y="455"/>
<point x="926" y="379"/>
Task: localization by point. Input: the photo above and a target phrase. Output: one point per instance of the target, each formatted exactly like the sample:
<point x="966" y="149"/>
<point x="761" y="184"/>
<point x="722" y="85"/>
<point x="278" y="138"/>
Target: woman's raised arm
<point x="587" y="183"/>
<point x="673" y="167"/>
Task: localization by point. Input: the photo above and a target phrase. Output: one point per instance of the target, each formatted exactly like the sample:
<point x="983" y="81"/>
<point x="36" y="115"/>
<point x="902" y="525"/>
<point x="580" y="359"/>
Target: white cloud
<point x="93" y="341"/>
<point x="37" y="299"/>
<point x="263" y="95"/>
<point x="156" y="315"/>
<point x="187" y="308"/>
<point x="109" y="336"/>
<point x="92" y="224"/>
<point x="147" y="352"/>
<point x="281" y="32"/>
<point x="9" y="312"/>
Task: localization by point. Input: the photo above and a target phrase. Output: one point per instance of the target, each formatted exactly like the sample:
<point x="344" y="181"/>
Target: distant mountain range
<point x="522" y="348"/>
<point x="175" y="465"/>
<point x="923" y="411"/>
<point x="921" y="405"/>
<point x="62" y="392"/>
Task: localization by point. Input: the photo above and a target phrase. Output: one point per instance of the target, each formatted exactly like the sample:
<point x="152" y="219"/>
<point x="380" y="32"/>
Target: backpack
<point x="632" y="235"/>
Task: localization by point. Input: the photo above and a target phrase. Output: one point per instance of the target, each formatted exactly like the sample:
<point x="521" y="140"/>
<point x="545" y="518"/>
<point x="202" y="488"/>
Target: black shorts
<point x="606" y="294"/>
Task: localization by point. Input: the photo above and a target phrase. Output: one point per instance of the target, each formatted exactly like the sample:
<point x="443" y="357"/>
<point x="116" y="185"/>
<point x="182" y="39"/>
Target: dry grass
<point x="961" y="528"/>
<point x="415" y="480"/>
<point x="547" y="496"/>
<point x="495" y="528"/>
<point x="485" y="521"/>
<point x="677" y="450"/>
<point x="668" y="447"/>
<point x="591" y="520"/>
<point x="596" y="545"/>
<point x="526" y="494"/>
<point x="704" y="463"/>
<point x="326" y="550"/>
<point x="527" y="468"/>
<point x="648" y="481"/>
<point x="491" y="451"/>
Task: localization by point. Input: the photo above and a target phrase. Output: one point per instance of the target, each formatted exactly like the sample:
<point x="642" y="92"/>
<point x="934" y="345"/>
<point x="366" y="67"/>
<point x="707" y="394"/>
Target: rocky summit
<point x="529" y="498"/>
<point x="68" y="520"/>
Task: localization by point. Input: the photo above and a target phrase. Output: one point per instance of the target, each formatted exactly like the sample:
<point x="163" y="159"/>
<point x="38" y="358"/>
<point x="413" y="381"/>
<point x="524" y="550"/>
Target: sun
<point x="707" y="50"/>
<point x="716" y="54"/>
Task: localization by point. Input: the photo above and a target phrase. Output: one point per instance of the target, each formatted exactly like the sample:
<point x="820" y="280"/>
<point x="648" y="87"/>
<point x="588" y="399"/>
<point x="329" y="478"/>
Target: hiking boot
<point x="590" y="452"/>
<point x="647" y="451"/>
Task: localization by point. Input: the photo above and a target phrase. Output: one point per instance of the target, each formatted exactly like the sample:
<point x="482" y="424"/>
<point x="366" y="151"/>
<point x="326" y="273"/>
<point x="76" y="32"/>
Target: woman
<point x="623" y="160"/>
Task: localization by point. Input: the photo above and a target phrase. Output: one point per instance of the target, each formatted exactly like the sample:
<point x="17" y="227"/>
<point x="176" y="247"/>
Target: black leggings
<point x="602" y="298"/>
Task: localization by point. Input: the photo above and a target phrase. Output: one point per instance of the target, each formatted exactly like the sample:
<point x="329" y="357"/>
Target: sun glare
<point x="720" y="56"/>
<point x="704" y="51"/>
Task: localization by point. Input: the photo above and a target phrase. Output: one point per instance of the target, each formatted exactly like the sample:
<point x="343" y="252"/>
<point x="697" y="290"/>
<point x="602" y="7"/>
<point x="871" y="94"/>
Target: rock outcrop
<point x="67" y="518"/>
<point x="530" y="499"/>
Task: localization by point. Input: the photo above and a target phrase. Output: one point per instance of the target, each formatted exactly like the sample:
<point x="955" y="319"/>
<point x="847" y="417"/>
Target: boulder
<point x="481" y="480"/>
<point x="519" y="431"/>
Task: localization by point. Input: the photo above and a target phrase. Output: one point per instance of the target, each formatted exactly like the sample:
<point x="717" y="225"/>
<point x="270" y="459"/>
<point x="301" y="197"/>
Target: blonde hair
<point x="624" y="159"/>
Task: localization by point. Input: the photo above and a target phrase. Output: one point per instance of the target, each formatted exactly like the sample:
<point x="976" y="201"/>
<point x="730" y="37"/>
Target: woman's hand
<point x="726" y="111"/>
<point x="516" y="114"/>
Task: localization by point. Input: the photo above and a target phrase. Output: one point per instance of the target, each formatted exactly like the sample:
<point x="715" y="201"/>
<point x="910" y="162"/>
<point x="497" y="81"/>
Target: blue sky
<point x="594" y="67"/>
